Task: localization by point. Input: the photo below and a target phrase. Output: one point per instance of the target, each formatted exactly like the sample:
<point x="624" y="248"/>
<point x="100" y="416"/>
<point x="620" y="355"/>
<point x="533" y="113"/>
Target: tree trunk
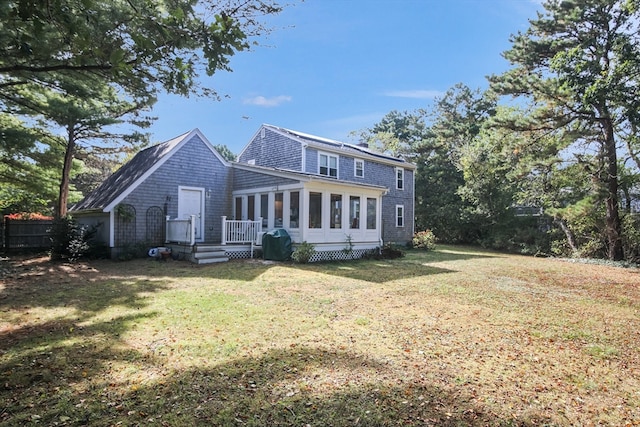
<point x="571" y="239"/>
<point x="63" y="199"/>
<point x="613" y="223"/>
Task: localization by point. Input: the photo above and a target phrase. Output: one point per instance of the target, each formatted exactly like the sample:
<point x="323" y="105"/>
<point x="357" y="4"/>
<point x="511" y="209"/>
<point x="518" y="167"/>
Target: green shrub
<point x="424" y="240"/>
<point x="631" y="237"/>
<point x="388" y="251"/>
<point x="132" y="251"/>
<point x="303" y="253"/>
<point x="70" y="240"/>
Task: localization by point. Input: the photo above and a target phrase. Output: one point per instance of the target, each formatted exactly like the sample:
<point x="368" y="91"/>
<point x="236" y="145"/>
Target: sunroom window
<point x="371" y="214"/>
<point x="294" y="206"/>
<point x="336" y="211"/>
<point x="354" y="211"/>
<point x="315" y="210"/>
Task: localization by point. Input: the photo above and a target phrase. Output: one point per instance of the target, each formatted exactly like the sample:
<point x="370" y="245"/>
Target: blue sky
<point x="331" y="67"/>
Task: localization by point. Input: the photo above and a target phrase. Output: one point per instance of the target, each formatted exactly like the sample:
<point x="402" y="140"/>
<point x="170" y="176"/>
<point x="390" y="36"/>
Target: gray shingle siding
<point x="377" y="174"/>
<point x="244" y="179"/>
<point x="194" y="165"/>
<point x="274" y="151"/>
<point x="386" y="175"/>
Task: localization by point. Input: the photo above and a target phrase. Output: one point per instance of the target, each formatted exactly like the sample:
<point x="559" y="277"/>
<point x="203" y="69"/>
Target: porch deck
<point x="243" y="239"/>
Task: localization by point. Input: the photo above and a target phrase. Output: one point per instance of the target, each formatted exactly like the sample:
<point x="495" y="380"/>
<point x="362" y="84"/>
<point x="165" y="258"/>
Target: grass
<point x="453" y="337"/>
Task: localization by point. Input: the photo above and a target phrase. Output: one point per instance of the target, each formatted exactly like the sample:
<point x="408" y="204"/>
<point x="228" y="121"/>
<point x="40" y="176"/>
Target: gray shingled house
<point x="342" y="198"/>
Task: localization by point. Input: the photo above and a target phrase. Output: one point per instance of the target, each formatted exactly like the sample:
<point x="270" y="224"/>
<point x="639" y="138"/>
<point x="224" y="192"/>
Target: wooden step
<point x="209" y="256"/>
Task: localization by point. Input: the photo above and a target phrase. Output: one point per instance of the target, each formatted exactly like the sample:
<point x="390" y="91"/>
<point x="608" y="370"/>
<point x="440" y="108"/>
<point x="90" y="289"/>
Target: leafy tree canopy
<point x="72" y="69"/>
<point x="579" y="66"/>
<point x="137" y="45"/>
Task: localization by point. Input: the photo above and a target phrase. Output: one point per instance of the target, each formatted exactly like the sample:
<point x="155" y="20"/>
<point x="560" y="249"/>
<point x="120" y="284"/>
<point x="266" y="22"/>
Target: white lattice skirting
<point x="318" y="256"/>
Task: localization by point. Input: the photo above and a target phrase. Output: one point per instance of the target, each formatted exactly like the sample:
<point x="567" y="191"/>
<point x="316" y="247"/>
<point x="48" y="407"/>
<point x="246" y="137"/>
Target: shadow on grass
<point x="42" y="283"/>
<point x="444" y="253"/>
<point x="375" y="271"/>
<point x="299" y="386"/>
<point x="76" y="370"/>
<point x="414" y="264"/>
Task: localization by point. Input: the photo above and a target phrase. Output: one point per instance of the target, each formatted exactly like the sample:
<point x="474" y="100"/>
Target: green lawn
<point x="458" y="336"/>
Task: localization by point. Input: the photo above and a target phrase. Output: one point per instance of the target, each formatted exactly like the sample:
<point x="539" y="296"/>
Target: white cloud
<point x="261" y="101"/>
<point x="417" y="94"/>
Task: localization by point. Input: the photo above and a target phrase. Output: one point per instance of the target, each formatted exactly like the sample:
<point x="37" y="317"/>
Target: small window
<point x="399" y="178"/>
<point x="358" y="168"/>
<point x="328" y="165"/>
<point x="399" y="215"/>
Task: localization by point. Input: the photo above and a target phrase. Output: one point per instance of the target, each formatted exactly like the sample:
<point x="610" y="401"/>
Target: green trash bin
<point x="276" y="245"/>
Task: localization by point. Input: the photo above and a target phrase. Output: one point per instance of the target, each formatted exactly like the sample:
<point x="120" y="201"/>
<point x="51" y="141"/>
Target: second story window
<point x="358" y="168"/>
<point x="328" y="165"/>
<point x="400" y="178"/>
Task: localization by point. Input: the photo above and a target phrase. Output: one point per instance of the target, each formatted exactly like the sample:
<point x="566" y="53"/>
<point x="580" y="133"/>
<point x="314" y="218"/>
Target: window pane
<point x="328" y="165"/>
<point x="277" y="209"/>
<point x="336" y="211"/>
<point x="324" y="164"/>
<point x="238" y="208"/>
<point x="359" y="168"/>
<point x="264" y="210"/>
<point x="354" y="211"/>
<point x="400" y="179"/>
<point x="400" y="216"/>
<point x="294" y="215"/>
<point x="315" y="210"/>
<point x="251" y="208"/>
<point x="371" y="214"/>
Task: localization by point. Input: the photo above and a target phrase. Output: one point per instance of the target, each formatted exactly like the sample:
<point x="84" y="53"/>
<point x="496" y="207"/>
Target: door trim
<point x="200" y="223"/>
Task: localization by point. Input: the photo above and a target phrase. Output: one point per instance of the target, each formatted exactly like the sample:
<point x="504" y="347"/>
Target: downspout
<point x="112" y="228"/>
<point x="413" y="205"/>
<point x="379" y="213"/>
<point x="303" y="166"/>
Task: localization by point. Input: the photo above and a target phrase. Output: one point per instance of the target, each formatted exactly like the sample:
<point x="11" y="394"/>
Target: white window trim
<point x="397" y="180"/>
<point x="355" y="168"/>
<point x="329" y="155"/>
<point x="398" y="207"/>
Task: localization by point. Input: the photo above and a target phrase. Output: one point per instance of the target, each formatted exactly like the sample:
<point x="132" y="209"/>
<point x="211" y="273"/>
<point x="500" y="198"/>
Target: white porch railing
<point x="181" y="230"/>
<point x="237" y="231"/>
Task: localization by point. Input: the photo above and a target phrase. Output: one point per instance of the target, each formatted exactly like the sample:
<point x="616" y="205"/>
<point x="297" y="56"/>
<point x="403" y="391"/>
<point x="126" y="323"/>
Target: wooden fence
<point x="26" y="234"/>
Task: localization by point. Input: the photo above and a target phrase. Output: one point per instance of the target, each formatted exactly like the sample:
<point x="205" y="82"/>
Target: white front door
<point x="191" y="202"/>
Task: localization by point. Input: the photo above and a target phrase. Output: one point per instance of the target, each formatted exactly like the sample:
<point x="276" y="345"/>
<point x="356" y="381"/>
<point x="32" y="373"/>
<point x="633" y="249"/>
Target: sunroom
<point x="336" y="217"/>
